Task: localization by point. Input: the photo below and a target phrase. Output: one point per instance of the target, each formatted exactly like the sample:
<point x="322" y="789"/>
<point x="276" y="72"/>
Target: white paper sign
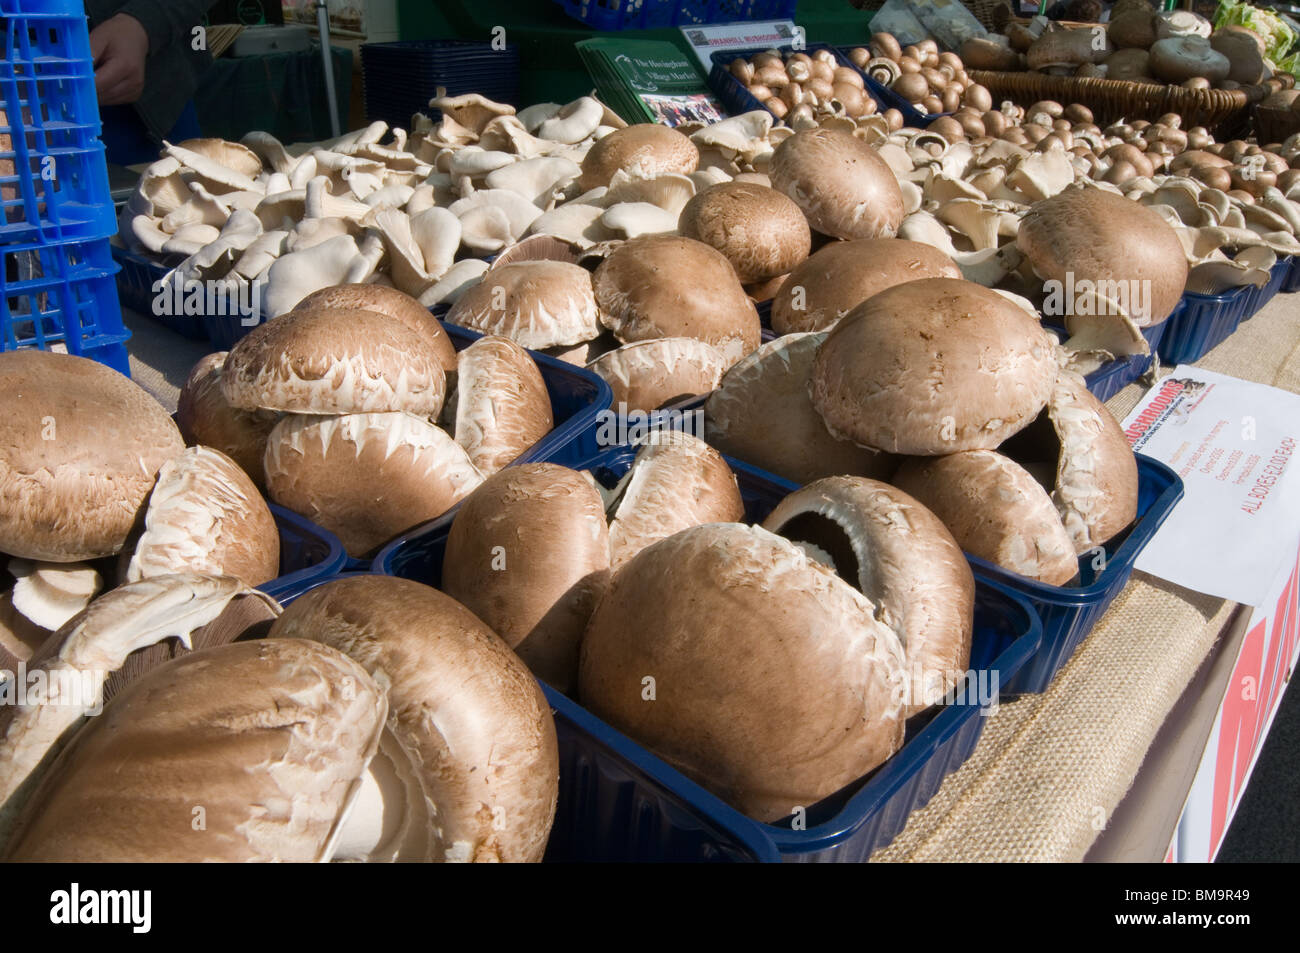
<point x="1234" y="444"/>
<point x="704" y="40"/>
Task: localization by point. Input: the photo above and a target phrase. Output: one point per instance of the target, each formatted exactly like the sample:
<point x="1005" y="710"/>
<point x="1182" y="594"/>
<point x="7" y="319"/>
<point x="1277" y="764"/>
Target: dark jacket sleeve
<point x="167" y="21"/>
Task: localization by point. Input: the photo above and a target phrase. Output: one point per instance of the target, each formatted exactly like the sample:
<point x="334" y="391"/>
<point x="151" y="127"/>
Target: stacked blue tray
<point x="398" y="79"/>
<point x="56" y="282"/>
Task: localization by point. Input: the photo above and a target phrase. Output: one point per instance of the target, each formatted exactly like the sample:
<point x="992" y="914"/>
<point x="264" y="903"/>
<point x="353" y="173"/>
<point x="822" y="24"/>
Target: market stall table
<point x="1051" y="770"/>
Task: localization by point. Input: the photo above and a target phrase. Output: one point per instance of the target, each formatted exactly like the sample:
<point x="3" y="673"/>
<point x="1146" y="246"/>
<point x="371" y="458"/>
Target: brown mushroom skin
<point x="80" y="446"/>
<point x="647" y="148"/>
<point x="528" y="553"/>
<point x="761" y="231"/>
<point x="473" y="713"/>
<point x="388" y="301"/>
<point x="843" y="186"/>
<point x="205" y="417"/>
<point x="770" y="673"/>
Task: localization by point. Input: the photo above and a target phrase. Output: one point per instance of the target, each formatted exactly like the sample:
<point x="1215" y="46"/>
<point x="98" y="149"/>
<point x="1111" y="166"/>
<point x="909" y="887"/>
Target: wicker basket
<point x="1275" y="123"/>
<point x="1226" y="113"/>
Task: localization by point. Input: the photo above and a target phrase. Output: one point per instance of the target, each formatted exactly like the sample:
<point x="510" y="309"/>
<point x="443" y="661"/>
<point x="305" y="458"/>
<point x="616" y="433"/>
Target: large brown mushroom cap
<point x="471" y="731"/>
<point x="660" y="287"/>
<point x="762" y="232"/>
<point x="244" y="752"/>
<point x="996" y="510"/>
<point x="366" y="477"/>
<point x="677" y="481"/>
<point x="502" y="406"/>
<point x="900" y="556"/>
<point x="761" y="413"/>
<point x="205" y="516"/>
<point x="397" y="305"/>
<point x="1103" y="237"/>
<point x="1079" y="443"/>
<point x="538" y="304"/>
<point x="774" y="684"/>
<point x="932" y="367"/>
<point x="334" y="361"/>
<point x="206" y="417"/>
<point x="843" y="186"/>
<point x="528" y="553"/>
<point x="80" y="446"/>
<point x="840" y="276"/>
<point x="643" y="150"/>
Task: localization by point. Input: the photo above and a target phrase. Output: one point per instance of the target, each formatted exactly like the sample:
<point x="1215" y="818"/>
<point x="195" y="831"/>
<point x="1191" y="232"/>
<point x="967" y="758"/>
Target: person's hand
<point x="120" y="47"/>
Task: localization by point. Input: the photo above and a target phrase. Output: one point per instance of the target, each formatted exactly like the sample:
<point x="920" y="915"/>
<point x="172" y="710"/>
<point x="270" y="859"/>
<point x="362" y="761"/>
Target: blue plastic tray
<point x="657" y="14"/>
<point x="612" y="807"/>
<point x="1109" y="379"/>
<point x="1262" y="296"/>
<point x="1069" y="613"/>
<point x="308" y="554"/>
<point x="62" y="294"/>
<point x="1200" y="322"/>
<point x="1291" y="283"/>
<point x="736" y="99"/>
<point x="55" y="176"/>
<point x="847" y="827"/>
<point x="135" y="288"/>
<point x="398" y="79"/>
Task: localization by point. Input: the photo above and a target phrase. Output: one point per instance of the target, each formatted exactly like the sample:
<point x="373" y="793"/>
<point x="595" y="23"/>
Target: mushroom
<point x="645" y="150"/>
<point x="294" y="275"/>
<point x="903" y="559"/>
<point x="842" y="275"/>
<point x="460" y="278"/>
<point x="468" y="769"/>
<point x="989" y="369"/>
<point x="204" y="416"/>
<point x="1179" y="58"/>
<point x="77" y="660"/>
<point x="574" y="122"/>
<point x="205" y="516"/>
<point x="705" y="300"/>
<point x="1093" y="473"/>
<point x="80" y="446"/>
<point x="535" y="303"/>
<point x="649" y="374"/>
<point x="327" y="469"/>
<point x="762" y="232"/>
<point x="270" y="739"/>
<point x="502" y="407"/>
<point x="761" y="413"/>
<point x="844" y="187"/>
<point x="49" y="594"/>
<point x="401" y="308"/>
<point x="995" y="510"/>
<point x="676" y="481"/>
<point x="528" y="553"/>
<point x="811" y="682"/>
<point x="1125" y="250"/>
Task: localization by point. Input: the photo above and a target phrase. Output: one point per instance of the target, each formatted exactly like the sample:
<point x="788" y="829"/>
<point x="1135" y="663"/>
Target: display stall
<point x="794" y="444"/>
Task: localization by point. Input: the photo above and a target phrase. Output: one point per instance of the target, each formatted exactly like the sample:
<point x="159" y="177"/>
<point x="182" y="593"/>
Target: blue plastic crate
<point x="308" y="554"/>
<point x="62" y="294"/>
<point x="736" y="99"/>
<point x="665" y="805"/>
<point x="612" y="806"/>
<point x="609" y="15"/>
<point x="1069" y="612"/>
<point x="53" y="178"/>
<point x="399" y="78"/>
<point x="1201" y="322"/>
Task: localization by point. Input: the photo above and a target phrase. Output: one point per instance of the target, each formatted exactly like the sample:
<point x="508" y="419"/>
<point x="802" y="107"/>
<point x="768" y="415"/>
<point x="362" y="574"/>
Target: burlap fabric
<point x="1050" y="769"/>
